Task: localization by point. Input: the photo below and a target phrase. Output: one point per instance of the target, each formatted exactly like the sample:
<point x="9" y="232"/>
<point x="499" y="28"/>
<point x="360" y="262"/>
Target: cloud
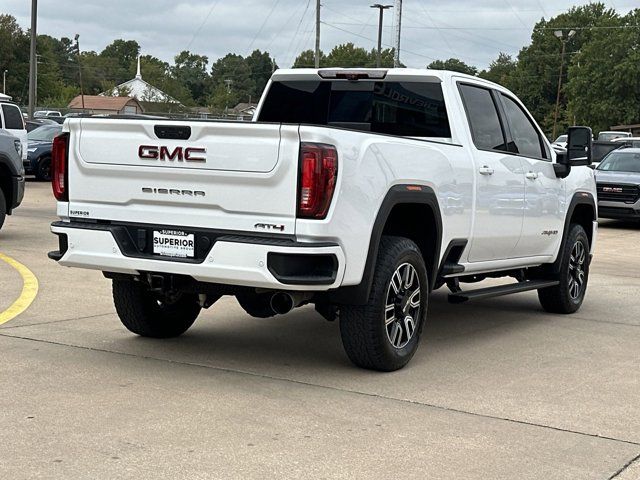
<point x="472" y="31"/>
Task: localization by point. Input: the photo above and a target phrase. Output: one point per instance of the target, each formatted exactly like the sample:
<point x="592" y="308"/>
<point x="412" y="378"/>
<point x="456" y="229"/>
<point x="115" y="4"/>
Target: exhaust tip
<point x="282" y="303"/>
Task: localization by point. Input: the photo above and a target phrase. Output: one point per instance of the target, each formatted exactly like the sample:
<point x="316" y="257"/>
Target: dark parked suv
<point x="11" y="174"/>
<point x="618" y="183"/>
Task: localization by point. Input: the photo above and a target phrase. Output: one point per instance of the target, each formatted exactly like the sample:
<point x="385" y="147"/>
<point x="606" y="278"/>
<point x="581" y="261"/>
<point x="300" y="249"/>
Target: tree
<point x="536" y="77"/>
<point x="262" y="66"/>
<point x="604" y="77"/>
<point x="453" y="64"/>
<point x="232" y="82"/>
<point x="348" y="55"/>
<point x="307" y="59"/>
<point x="501" y="70"/>
<point x="190" y="70"/>
<point x="124" y="51"/>
<point x="14" y="57"/>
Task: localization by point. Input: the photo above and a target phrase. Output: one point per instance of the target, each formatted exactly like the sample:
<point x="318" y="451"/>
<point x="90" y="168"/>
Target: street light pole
<point x="317" y="52"/>
<point x="32" y="58"/>
<point x="80" y="70"/>
<point x="382" y="8"/>
<point x="560" y="35"/>
<point x="396" y="58"/>
<point x="4" y="82"/>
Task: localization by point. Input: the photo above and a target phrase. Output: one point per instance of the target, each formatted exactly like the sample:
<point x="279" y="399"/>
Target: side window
<point x="483" y="118"/>
<point x="12" y="117"/>
<point x="525" y="135"/>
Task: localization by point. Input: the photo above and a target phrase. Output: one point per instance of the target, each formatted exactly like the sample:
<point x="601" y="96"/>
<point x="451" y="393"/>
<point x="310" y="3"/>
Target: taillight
<point x="59" y="167"/>
<point x="318" y="175"/>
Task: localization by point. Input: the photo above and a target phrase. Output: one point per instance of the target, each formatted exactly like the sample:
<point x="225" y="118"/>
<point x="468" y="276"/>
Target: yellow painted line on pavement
<point x="29" y="290"/>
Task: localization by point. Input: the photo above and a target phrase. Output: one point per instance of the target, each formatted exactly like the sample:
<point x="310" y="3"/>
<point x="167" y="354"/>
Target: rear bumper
<point x="231" y="260"/>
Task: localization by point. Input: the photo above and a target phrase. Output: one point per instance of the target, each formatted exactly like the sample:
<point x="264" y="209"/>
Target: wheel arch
<point x="401" y="202"/>
<point x="583" y="211"/>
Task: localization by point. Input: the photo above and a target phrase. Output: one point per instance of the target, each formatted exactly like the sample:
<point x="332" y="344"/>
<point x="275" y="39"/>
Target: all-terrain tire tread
<point x="358" y="322"/>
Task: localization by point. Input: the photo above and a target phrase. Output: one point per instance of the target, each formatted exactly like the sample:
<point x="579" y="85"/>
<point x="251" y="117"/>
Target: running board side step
<point x="497" y="291"/>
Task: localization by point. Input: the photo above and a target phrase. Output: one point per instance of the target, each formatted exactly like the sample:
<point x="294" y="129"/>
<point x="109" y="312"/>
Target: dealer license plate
<point x="173" y="243"/>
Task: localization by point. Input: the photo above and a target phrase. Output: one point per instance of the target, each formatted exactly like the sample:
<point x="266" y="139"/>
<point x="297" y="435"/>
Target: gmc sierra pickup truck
<point x="357" y="190"/>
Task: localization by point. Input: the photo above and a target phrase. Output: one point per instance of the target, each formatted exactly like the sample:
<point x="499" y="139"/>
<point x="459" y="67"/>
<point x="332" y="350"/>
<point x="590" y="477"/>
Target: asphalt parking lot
<point x="498" y="389"/>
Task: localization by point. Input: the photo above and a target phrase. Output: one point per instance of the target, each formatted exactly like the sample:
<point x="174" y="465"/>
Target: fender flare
<point x="579" y="198"/>
<point x="398" y="194"/>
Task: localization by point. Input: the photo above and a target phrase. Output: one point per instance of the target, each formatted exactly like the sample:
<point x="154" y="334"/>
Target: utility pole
<point x="317" y="56"/>
<point x="4" y="82"/>
<point x="560" y="34"/>
<point x="396" y="58"/>
<point x="32" y="57"/>
<point x="382" y="8"/>
<point x="80" y="69"/>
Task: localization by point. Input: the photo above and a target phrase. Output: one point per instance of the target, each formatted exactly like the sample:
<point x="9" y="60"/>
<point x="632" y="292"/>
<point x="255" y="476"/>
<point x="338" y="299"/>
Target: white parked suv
<point x="12" y="121"/>
<point x="360" y="191"/>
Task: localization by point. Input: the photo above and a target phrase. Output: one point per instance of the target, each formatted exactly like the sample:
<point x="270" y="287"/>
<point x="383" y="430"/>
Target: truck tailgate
<point x="226" y="175"/>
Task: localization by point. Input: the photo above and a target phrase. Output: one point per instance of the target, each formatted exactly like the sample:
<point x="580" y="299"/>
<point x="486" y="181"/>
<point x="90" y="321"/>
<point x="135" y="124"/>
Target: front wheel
<point x="150" y="314"/>
<point x="384" y="334"/>
<point x="568" y="295"/>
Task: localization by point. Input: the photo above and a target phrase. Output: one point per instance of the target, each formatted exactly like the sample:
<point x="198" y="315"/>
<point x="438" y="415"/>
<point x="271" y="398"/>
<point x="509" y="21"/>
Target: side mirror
<point x="579" y="146"/>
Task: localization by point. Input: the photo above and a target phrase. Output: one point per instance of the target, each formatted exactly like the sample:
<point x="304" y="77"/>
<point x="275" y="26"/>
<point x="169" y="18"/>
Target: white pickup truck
<point x="357" y="190"/>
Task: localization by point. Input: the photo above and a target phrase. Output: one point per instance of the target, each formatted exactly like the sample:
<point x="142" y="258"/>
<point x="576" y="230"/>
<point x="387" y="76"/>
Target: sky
<point x="474" y="31"/>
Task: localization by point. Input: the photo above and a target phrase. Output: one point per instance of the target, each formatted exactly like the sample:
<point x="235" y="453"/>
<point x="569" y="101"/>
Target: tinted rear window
<point x="413" y="109"/>
<point x="12" y="117"/>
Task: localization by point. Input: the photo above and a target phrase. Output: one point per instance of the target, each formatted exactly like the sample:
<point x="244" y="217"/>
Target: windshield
<point x="561" y="138"/>
<point x="621" y="162"/>
<point x="44" y="133"/>
<point x="412" y="109"/>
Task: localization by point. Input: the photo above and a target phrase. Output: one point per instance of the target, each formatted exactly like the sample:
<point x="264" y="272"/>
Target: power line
<point x="273" y="8"/>
<point x="197" y="32"/>
<point x="371" y="40"/>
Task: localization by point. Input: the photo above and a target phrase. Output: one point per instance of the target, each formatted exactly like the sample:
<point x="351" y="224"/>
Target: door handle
<point x="485" y="170"/>
<point x="531" y="175"/>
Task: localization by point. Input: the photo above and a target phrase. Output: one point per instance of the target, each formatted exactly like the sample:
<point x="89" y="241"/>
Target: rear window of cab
<point x="412" y="109"/>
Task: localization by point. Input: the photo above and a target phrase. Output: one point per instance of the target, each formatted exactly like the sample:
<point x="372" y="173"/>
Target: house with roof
<point x="97" y="104"/>
<point x="141" y="90"/>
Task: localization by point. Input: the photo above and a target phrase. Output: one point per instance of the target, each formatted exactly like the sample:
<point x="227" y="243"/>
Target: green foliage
<point x="604" y="76"/>
<point x="501" y="70"/>
<point x="307" y="59"/>
<point x="536" y="77"/>
<point x="453" y="64"/>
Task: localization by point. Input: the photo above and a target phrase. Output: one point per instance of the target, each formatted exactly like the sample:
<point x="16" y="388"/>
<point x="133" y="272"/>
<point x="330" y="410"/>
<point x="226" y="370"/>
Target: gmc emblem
<point x="612" y="189"/>
<point x="189" y="154"/>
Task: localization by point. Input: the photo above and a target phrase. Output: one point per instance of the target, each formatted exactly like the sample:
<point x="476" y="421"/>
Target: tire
<point x="568" y="295"/>
<point x="148" y="314"/>
<point x="3" y="208"/>
<point x="375" y="337"/>
<point x="43" y="169"/>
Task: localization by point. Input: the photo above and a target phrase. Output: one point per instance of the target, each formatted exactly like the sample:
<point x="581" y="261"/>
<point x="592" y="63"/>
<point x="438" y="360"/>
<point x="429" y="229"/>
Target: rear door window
<point x="483" y="118"/>
<point x="413" y="109"/>
<point x="12" y="117"/>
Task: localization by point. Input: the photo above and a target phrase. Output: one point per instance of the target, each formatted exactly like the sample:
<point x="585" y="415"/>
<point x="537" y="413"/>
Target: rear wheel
<point x="150" y="314"/>
<point x="384" y="334"/>
<point x="568" y="295"/>
<point x="43" y="169"/>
